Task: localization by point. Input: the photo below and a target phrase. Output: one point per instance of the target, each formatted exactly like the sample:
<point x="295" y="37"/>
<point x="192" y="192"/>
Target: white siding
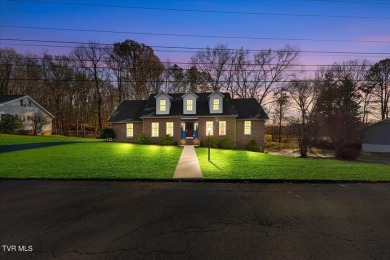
<point x="376" y="148"/>
<point x="25" y="111"/>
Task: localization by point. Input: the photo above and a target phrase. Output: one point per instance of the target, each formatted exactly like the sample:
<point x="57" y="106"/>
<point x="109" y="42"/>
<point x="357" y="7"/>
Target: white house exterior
<point x="377" y="137"/>
<point x="25" y="108"/>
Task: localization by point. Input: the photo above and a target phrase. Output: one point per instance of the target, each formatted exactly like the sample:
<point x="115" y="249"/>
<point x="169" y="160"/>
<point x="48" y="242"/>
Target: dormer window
<point x="215" y="101"/>
<point x="190" y="105"/>
<point x="215" y="104"/>
<point x="163" y="105"/>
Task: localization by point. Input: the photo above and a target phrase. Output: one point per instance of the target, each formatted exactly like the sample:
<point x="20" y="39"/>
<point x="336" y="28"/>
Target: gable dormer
<point x="163" y="103"/>
<point x="216" y="103"/>
<point x="189" y="103"/>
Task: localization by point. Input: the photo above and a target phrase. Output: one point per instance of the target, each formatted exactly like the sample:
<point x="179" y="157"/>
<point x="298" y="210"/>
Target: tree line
<point x="83" y="88"/>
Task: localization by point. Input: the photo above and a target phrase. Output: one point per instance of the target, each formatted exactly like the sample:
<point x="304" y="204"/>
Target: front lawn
<point x="6" y="139"/>
<point x="91" y="160"/>
<point x="228" y="164"/>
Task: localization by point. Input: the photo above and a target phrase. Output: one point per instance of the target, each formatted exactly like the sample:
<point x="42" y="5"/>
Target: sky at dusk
<point x="361" y="27"/>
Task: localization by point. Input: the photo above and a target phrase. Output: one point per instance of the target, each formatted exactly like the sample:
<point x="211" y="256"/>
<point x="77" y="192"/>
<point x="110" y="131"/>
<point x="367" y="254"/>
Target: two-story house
<point x="25" y="108"/>
<point x="190" y="118"/>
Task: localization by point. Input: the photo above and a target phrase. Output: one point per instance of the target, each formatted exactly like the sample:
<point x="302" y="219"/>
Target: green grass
<point x="91" y="160"/>
<point x="6" y="139"/>
<point x="228" y="164"/>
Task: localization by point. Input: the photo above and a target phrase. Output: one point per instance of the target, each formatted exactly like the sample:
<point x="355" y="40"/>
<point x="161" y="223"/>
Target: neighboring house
<point x="377" y="137"/>
<point x="25" y="108"/>
<point x="190" y="117"/>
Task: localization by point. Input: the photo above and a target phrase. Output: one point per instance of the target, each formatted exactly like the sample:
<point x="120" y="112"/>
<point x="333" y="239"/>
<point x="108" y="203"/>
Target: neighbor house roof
<point x="135" y="110"/>
<point x="4" y="99"/>
<point x="249" y="108"/>
<point x="8" y="98"/>
<point x="128" y="111"/>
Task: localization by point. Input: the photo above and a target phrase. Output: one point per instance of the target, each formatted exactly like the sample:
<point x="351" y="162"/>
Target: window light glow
<point x="155" y="130"/>
<point x="222" y="127"/>
<point x="247" y="127"/>
<point x="209" y="128"/>
<point x="129" y="130"/>
<point x="169" y="127"/>
<point x="163" y="105"/>
<point x="189" y="105"/>
<point x="215" y="104"/>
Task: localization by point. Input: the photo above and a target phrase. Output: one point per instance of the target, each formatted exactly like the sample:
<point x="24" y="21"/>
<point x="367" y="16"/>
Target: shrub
<point x="213" y="142"/>
<point x="348" y="153"/>
<point x="226" y="143"/>
<point x="9" y="123"/>
<point x="253" y="146"/>
<point x="107" y="133"/>
<point x="167" y="140"/>
<point x="143" y="139"/>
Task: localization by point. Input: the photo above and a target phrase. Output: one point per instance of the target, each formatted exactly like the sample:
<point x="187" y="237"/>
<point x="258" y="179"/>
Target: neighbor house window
<point x="222" y="127"/>
<point x="215" y="104"/>
<point x="154" y="129"/>
<point x="247" y="127"/>
<point x="170" y="128"/>
<point x="129" y="130"/>
<point x="163" y="105"/>
<point x="21" y="102"/>
<point x="189" y="105"/>
<point x="209" y="128"/>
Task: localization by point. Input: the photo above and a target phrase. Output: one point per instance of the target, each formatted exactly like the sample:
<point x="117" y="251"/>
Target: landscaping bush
<point x="107" y="133"/>
<point x="9" y="124"/>
<point x="348" y="153"/>
<point x="226" y="143"/>
<point x="167" y="140"/>
<point x="143" y="139"/>
<point x="213" y="142"/>
<point x="253" y="146"/>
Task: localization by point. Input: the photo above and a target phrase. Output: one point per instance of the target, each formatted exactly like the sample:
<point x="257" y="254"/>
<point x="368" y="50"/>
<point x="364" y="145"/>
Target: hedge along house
<point x="190" y="118"/>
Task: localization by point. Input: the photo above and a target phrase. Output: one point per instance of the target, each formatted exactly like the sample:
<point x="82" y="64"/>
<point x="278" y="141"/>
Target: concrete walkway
<point x="188" y="166"/>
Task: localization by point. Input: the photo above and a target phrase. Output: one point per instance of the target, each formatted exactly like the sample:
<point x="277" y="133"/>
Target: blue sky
<point x="53" y="14"/>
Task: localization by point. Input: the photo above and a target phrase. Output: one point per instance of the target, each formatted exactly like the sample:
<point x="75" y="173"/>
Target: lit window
<point x="215" y="104"/>
<point x="222" y="127"/>
<point x="129" y="130"/>
<point x="189" y="105"/>
<point x="170" y="128"/>
<point x="163" y="105"/>
<point x="154" y="129"/>
<point x="209" y="128"/>
<point x="247" y="128"/>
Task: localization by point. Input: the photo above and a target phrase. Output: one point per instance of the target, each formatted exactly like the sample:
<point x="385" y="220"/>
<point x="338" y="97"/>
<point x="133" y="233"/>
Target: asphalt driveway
<point x="180" y="220"/>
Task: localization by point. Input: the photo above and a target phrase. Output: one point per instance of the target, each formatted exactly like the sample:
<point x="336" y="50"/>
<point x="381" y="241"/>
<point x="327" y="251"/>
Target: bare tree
<point x="379" y="76"/>
<point x="282" y="101"/>
<point x="271" y="69"/>
<point x="217" y="63"/>
<point x="39" y="123"/>
<point x="303" y="97"/>
<point x="91" y="57"/>
<point x="9" y="61"/>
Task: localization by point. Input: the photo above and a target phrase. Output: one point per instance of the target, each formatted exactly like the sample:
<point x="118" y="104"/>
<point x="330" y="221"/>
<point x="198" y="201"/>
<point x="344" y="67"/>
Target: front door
<point x="189" y="130"/>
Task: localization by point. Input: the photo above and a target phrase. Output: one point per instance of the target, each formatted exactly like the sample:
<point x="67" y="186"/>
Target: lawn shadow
<point x="216" y="166"/>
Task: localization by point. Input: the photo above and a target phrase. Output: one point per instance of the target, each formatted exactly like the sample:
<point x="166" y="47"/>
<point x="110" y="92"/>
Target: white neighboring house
<point x="25" y="108"/>
<point x="377" y="137"/>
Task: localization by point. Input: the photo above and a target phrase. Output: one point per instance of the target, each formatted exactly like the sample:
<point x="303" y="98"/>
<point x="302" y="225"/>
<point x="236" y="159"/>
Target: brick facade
<point x="234" y="130"/>
<point x="162" y="131"/>
<point x="230" y="128"/>
<point x="120" y="131"/>
<point x="257" y="133"/>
